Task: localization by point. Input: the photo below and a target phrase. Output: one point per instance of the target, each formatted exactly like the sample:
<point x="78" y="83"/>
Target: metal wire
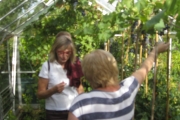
<point x="13" y="10"/>
<point x="5" y="102"/>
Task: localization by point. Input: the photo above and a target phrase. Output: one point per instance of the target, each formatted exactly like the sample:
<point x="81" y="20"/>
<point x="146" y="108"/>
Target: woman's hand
<point x="43" y="92"/>
<point x="146" y="66"/>
<point x="161" y="47"/>
<point x="60" y="87"/>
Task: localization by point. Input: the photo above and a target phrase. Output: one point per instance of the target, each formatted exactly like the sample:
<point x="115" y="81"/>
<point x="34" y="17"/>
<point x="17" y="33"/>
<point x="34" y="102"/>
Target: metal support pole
<point x="19" y="75"/>
<point x="14" y="63"/>
<point x="9" y="67"/>
<point x="13" y="10"/>
<point x="1" y="108"/>
<point x="168" y="76"/>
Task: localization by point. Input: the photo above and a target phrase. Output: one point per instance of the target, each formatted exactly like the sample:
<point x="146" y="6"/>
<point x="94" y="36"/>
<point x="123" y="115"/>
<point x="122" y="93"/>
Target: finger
<point x="62" y="83"/>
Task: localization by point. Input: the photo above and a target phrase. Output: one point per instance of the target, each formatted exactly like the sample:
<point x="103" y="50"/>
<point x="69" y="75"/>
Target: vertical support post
<point x="1" y="108"/>
<point x="154" y="80"/>
<point x="19" y="75"/>
<point x="105" y="46"/>
<point x="108" y="45"/>
<point x="146" y="80"/>
<point x="9" y="72"/>
<point x="141" y="49"/>
<point x="168" y="75"/>
<point x="9" y="67"/>
<point x="14" y="63"/>
<point x="122" y="58"/>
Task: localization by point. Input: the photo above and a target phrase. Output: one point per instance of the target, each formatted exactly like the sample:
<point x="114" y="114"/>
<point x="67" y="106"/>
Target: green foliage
<point x="155" y="20"/>
<point x="29" y="113"/>
<point x="4" y="49"/>
<point x="11" y="116"/>
<point x="17" y="8"/>
<point x="2" y="54"/>
<point x="90" y="30"/>
<point x="86" y="85"/>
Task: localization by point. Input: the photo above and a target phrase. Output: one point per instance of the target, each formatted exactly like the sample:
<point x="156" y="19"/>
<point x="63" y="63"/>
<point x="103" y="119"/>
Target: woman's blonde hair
<point x="100" y="69"/>
<point x="63" y="40"/>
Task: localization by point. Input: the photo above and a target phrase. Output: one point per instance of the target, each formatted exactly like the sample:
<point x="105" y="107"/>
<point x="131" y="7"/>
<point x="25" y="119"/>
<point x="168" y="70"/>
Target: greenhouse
<point x="128" y="29"/>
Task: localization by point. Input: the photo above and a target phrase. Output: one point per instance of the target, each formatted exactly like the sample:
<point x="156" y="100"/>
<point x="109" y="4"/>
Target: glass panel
<point x="16" y="14"/>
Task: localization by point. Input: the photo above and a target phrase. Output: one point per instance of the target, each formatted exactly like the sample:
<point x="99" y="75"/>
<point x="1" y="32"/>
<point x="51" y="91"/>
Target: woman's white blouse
<point x="56" y="75"/>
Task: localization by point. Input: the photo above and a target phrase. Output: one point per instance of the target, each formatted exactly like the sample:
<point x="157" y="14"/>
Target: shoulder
<point x="130" y="82"/>
<point x="82" y="99"/>
<point x="45" y="64"/>
<point x="48" y="62"/>
<point x="88" y="98"/>
<point x="78" y="102"/>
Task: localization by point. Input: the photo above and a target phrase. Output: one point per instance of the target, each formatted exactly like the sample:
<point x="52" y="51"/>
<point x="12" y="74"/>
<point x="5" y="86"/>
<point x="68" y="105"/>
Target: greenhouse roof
<point x="16" y="15"/>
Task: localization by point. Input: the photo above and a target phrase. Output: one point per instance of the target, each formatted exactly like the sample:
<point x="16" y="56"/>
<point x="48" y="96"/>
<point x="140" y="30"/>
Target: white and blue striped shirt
<point x="100" y="105"/>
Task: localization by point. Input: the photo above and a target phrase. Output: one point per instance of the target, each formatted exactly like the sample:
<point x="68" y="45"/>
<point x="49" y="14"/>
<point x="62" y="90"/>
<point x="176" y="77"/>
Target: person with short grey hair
<point x="109" y="99"/>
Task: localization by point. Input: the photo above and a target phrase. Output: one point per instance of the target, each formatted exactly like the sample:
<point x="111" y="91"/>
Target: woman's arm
<point x="71" y="116"/>
<point x="146" y="66"/>
<point x="43" y="92"/>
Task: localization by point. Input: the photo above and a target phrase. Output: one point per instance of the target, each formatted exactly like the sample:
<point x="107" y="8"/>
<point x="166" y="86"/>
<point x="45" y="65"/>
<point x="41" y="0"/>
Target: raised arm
<point x="146" y="66"/>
